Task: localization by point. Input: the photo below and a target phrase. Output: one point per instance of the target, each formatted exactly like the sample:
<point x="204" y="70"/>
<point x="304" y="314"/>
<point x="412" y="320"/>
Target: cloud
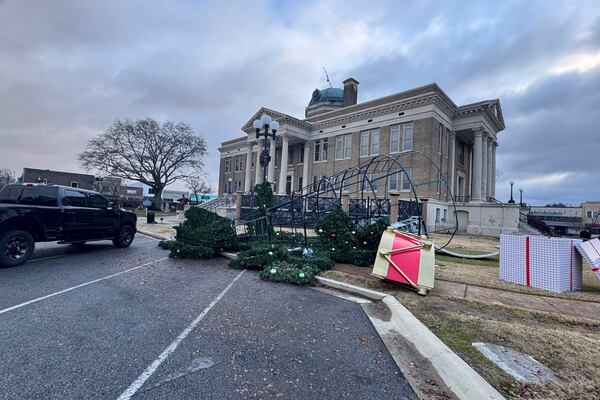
<point x="71" y="68"/>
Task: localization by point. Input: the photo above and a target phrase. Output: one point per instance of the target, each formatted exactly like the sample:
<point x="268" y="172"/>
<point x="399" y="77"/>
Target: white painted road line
<point x="78" y="286"/>
<point x="139" y="382"/>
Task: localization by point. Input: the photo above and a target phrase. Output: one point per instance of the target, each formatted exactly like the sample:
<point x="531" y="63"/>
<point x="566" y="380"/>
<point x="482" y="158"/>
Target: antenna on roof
<point x="327" y="76"/>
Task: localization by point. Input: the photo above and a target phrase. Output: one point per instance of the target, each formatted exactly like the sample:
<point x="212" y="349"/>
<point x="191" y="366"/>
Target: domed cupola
<point x="324" y="100"/>
<point x="331" y="98"/>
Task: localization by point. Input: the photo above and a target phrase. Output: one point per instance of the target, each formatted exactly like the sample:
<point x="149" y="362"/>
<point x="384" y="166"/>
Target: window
<point x="320" y="181"/>
<point x="375" y="142"/>
<point x="74" y="198"/>
<point x="395" y="139"/>
<point x="252" y="161"/>
<point x="346" y="185"/>
<point x="300" y="181"/>
<point x="398" y="180"/>
<point x="288" y="184"/>
<point x="325" y="149"/>
<point x="405" y="179"/>
<point x="28" y="196"/>
<point x="461" y="153"/>
<point x="238" y="163"/>
<point x="437" y="215"/>
<point x="445" y="215"/>
<point x="364" y="144"/>
<point x="47" y="197"/>
<point x="228" y="165"/>
<point x="407" y="143"/>
<point x="74" y="184"/>
<point x="440" y="137"/>
<point x="371" y="184"/>
<point x="369" y="143"/>
<point x="290" y="156"/>
<point x="302" y="154"/>
<point x="343" y="147"/>
<point x="393" y="181"/>
<point x="10" y="194"/>
<point x="97" y="201"/>
<point x="321" y="147"/>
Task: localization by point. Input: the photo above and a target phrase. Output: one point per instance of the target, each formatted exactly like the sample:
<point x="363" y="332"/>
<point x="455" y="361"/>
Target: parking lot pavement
<point x="199" y="333"/>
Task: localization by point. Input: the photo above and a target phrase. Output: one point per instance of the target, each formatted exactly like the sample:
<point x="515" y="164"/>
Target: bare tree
<point x="198" y="187"/>
<point x="6" y="176"/>
<point x="146" y="151"/>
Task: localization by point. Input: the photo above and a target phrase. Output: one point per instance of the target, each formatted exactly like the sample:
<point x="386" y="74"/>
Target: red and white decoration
<point x="541" y="262"/>
<point x="590" y="251"/>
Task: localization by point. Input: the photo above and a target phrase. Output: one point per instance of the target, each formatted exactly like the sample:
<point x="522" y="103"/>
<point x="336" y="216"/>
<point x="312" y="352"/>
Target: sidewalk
<point x="159" y="231"/>
<point x="574" y="308"/>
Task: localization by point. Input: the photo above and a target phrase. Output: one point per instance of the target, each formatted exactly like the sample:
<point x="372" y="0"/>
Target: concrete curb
<point x="458" y="376"/>
<point x="151" y="234"/>
<point x="368" y="293"/>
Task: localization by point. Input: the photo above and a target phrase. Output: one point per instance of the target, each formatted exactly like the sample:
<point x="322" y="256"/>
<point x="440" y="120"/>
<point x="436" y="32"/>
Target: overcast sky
<point x="69" y="68"/>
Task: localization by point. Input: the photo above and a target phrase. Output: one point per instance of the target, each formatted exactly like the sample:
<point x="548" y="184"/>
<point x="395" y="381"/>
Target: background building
<point x="590" y="214"/>
<point x="562" y="220"/>
<point x="83" y="181"/>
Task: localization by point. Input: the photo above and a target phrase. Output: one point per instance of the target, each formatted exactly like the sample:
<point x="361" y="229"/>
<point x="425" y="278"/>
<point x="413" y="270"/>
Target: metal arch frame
<point x="382" y="163"/>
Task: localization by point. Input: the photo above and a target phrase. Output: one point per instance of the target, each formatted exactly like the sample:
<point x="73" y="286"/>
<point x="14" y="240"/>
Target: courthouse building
<point x="337" y="132"/>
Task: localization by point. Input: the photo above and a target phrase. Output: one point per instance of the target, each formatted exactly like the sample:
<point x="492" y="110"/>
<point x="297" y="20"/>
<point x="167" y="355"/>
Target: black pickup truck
<point x="32" y="213"/>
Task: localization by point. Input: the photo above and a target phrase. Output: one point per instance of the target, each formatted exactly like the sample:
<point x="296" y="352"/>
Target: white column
<point x="489" y="166"/>
<point x="248" y="180"/>
<point x="258" y="176"/>
<point x="305" y="180"/>
<point x="477" y="161"/>
<point x="494" y="145"/>
<point x="271" y="171"/>
<point x="283" y="167"/>
<point x="451" y="163"/>
<point x="484" y="193"/>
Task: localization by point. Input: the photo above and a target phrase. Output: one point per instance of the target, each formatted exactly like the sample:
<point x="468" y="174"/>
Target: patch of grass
<point x="484" y="262"/>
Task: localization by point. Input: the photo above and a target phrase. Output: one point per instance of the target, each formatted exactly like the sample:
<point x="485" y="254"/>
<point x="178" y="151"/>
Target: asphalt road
<point x="101" y="322"/>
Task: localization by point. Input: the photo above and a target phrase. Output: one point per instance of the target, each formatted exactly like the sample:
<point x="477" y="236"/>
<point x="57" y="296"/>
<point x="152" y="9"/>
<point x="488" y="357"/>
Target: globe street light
<point x="511" y="201"/>
<point x="265" y="122"/>
<point x="521" y="197"/>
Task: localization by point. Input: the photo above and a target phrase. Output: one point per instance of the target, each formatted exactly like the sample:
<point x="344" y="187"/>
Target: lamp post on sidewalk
<point x="511" y="201"/>
<point x="265" y="122"/>
<point x="521" y="197"/>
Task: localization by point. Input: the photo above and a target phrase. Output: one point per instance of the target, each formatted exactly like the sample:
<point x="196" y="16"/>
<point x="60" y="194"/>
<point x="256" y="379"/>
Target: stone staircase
<point x="223" y="206"/>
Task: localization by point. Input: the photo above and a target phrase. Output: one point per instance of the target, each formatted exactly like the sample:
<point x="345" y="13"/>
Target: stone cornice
<point x="277" y="116"/>
<point x="387" y="109"/>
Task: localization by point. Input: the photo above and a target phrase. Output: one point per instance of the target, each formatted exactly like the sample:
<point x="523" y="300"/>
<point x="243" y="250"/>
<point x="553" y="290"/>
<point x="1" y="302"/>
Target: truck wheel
<point x="16" y="247"/>
<point x="124" y="237"/>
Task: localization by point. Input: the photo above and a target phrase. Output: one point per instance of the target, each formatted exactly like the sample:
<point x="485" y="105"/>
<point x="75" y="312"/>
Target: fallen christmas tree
<point x="277" y="263"/>
<point x="203" y="235"/>
<point x="347" y="242"/>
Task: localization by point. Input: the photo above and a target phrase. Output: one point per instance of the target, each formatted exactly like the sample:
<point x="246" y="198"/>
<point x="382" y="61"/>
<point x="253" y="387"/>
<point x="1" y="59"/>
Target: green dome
<point x="327" y="96"/>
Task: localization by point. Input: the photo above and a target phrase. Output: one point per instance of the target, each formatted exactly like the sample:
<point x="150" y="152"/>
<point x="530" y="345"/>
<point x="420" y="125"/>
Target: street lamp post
<point x="511" y="201"/>
<point x="265" y="122"/>
<point x="521" y="197"/>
